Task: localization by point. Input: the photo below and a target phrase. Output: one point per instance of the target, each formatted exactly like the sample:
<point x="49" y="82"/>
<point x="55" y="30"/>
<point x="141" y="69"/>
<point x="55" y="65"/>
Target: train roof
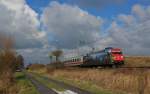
<point x="111" y="49"/>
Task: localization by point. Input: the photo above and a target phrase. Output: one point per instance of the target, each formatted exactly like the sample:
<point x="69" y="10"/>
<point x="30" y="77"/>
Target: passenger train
<point x="107" y="57"/>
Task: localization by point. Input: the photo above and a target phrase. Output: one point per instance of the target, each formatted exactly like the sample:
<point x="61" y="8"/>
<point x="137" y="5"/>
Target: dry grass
<point x="130" y="81"/>
<point x="122" y="80"/>
<point x="137" y="61"/>
<point x="36" y="67"/>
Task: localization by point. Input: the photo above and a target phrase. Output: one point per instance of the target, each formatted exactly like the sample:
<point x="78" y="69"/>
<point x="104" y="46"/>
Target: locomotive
<point x="107" y="57"/>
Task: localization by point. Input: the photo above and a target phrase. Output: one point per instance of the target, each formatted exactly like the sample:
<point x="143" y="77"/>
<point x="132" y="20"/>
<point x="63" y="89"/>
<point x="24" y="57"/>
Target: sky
<point x="107" y="10"/>
<point x="40" y="26"/>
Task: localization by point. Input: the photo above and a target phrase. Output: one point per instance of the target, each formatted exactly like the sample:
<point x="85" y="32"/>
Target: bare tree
<point x="7" y="63"/>
<point x="57" y="54"/>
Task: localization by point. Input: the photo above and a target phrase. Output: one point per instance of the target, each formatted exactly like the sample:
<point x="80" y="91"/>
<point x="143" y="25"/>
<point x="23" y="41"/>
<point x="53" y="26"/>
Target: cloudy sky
<point x="39" y="26"/>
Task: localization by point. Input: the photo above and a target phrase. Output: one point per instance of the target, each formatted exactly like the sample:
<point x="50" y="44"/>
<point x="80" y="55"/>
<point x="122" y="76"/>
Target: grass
<point x="118" y="80"/>
<point x="140" y="61"/>
<point x="85" y="85"/>
<point x="25" y="86"/>
<point x="47" y="83"/>
<point x="129" y="81"/>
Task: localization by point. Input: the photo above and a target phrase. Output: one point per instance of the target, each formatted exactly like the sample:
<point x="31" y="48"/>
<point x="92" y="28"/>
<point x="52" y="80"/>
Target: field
<point x="118" y="80"/>
<point x="24" y="85"/>
<point x="115" y="81"/>
<point x="139" y="61"/>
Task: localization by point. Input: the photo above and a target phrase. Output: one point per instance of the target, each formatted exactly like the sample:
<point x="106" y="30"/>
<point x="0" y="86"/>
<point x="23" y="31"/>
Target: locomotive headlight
<point x="121" y="56"/>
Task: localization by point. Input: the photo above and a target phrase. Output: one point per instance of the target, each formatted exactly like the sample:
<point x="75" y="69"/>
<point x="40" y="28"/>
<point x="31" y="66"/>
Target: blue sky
<point x="108" y="11"/>
<point x="61" y="21"/>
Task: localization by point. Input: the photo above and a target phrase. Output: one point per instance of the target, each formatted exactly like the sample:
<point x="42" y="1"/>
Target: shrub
<point x="7" y="65"/>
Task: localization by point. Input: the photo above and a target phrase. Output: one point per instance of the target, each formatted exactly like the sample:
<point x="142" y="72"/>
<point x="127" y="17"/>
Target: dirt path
<point x="40" y="87"/>
<point x="68" y="87"/>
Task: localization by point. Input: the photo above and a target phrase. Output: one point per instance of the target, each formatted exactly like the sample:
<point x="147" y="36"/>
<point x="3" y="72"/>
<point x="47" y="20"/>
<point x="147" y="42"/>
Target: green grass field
<point x="25" y="86"/>
<point x="47" y="83"/>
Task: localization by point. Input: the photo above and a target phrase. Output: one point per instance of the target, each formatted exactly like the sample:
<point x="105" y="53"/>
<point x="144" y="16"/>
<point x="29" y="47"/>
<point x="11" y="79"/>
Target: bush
<point x="7" y="65"/>
<point x="53" y="66"/>
<point x="36" y="67"/>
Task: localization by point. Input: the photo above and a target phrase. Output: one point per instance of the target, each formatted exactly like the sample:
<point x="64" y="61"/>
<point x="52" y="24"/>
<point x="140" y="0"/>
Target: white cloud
<point x="20" y="21"/>
<point x="133" y="35"/>
<point x="69" y="25"/>
<point x="35" y="55"/>
<point x="140" y="12"/>
<point x="126" y="19"/>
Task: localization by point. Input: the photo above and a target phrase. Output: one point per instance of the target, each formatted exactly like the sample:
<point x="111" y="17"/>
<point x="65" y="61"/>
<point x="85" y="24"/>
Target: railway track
<point x="124" y="67"/>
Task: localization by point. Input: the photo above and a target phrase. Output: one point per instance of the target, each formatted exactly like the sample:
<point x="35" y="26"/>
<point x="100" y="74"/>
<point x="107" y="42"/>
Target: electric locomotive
<point x="107" y="57"/>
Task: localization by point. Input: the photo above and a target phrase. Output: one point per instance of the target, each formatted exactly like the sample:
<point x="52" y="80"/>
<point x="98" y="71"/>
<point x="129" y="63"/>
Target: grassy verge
<point x="47" y="83"/>
<point x="24" y="84"/>
<point x="115" y="80"/>
<point x="85" y="85"/>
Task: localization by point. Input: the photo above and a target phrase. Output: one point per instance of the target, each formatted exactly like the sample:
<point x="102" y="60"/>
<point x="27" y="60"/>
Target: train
<point x="107" y="57"/>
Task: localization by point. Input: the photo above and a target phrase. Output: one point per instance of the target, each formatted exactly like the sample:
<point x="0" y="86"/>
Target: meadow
<point x="137" y="61"/>
<point x="117" y="81"/>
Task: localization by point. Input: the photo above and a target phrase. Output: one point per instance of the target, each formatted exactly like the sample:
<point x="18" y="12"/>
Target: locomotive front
<point x="116" y="55"/>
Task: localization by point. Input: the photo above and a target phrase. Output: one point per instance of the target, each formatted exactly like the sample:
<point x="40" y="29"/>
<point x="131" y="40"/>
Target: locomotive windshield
<point x="116" y="52"/>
